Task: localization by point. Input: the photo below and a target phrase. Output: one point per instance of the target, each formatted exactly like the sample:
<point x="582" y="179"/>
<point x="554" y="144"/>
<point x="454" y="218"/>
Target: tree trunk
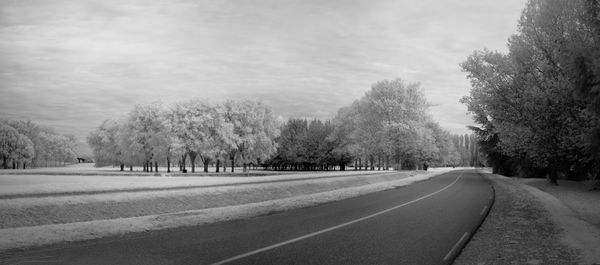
<point x="554" y="175"/>
<point x="24" y="164"/>
<point x="168" y="166"/>
<point x="150" y="166"/>
<point x="122" y="167"/>
<point x="379" y="162"/>
<point x="387" y="162"/>
<point x="218" y="164"/>
<point x="155" y="166"/>
<point x="130" y="167"/>
<point x="372" y="163"/>
<point x="359" y="164"/>
<point x="192" y="156"/>
<point x="232" y="163"/>
<point x="206" y="162"/>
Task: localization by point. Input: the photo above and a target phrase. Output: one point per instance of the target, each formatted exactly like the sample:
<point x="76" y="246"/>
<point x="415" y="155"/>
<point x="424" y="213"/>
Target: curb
<point x="487" y="212"/>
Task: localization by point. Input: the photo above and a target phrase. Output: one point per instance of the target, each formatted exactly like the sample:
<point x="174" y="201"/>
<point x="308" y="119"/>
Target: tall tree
<point x="109" y="148"/>
<point x="524" y="100"/>
<point x="254" y="130"/>
<point x="8" y="143"/>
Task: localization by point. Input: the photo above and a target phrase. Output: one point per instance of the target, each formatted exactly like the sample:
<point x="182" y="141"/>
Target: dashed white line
<point x="483" y="210"/>
<point x="455" y="247"/>
<point x="334" y="227"/>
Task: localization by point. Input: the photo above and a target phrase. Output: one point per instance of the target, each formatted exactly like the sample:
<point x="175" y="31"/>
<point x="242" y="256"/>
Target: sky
<point x="72" y="64"/>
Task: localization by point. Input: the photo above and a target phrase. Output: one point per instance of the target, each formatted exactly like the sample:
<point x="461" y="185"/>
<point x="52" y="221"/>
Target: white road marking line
<point x="483" y="211"/>
<point x="458" y="243"/>
<point x="333" y="227"/>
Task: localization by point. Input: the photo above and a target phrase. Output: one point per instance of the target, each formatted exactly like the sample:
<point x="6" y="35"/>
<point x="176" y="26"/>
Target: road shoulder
<point x="520" y="229"/>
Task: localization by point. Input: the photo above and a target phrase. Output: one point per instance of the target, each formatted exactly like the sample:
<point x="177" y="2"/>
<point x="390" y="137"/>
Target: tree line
<point x="24" y="143"/>
<point x="538" y="106"/>
<point x="389" y="127"/>
<point x="233" y="131"/>
<point x="467" y="151"/>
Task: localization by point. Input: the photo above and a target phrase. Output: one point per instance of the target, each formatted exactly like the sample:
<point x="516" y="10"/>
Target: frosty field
<point x="40" y="209"/>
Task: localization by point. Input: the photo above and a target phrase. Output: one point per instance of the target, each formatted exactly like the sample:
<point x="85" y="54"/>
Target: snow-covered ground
<point x="27" y="221"/>
<point x="13" y="185"/>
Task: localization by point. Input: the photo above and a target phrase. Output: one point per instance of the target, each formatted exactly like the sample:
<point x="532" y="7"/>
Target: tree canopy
<point x="194" y="129"/>
<point x="25" y="143"/>
<point x="388" y="127"/>
<point x="537" y="105"/>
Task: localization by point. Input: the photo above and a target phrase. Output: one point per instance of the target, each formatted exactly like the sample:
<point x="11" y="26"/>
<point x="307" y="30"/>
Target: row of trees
<point x="238" y="131"/>
<point x="468" y="154"/>
<point x="24" y="143"/>
<point x="304" y="145"/>
<point x="538" y="106"/>
<point x="388" y="127"/>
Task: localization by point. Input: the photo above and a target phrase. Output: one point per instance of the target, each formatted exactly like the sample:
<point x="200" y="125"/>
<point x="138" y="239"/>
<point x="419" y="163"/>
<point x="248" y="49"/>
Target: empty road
<point x="424" y="223"/>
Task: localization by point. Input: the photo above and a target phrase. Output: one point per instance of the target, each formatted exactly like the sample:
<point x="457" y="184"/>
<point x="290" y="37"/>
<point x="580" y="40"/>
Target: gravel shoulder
<point x="529" y="226"/>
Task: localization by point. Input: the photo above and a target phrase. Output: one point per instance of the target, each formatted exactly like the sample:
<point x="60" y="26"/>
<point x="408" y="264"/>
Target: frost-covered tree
<point x="107" y="142"/>
<point x="188" y="122"/>
<point x="254" y="130"/>
<point x="9" y="137"/>
<point x="48" y="146"/>
<point x="390" y="123"/>
<point x="25" y="151"/>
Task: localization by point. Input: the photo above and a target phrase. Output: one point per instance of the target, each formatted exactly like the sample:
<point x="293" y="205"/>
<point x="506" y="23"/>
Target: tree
<point x="146" y="133"/>
<point x="109" y="145"/>
<point x="524" y="100"/>
<point x="8" y="143"/>
<point x="345" y="148"/>
<point x="24" y="152"/>
<point x="254" y="131"/>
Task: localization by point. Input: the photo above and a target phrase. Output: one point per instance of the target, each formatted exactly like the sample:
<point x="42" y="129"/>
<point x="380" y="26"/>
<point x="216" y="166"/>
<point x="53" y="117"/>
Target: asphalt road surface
<point x="424" y="223"/>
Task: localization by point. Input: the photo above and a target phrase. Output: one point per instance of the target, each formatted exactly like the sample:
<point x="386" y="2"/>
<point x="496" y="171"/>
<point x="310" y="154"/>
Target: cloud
<point x="72" y="64"/>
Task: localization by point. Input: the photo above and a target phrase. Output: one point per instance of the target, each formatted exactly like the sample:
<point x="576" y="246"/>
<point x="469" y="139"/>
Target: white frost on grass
<point x="52" y="184"/>
<point x="35" y="211"/>
<point x="576" y="233"/>
<point x="54" y="233"/>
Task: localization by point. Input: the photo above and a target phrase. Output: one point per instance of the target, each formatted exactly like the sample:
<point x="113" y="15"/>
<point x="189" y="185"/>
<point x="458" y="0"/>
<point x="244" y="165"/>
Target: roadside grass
<point x="43" y="220"/>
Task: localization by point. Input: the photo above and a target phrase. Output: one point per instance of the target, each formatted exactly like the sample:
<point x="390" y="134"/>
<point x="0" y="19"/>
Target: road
<point x="424" y="223"/>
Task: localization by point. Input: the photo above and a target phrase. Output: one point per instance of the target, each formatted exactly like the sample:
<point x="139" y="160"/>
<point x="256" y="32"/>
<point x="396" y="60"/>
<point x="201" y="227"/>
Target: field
<point x="43" y="206"/>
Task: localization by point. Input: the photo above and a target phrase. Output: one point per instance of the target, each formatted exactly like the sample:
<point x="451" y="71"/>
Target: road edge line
<point x="487" y="213"/>
<point x="287" y="242"/>
<point x="455" y="247"/>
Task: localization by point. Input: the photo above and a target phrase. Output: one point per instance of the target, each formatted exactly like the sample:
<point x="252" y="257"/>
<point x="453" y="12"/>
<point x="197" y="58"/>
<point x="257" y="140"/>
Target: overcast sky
<point x="72" y="64"/>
